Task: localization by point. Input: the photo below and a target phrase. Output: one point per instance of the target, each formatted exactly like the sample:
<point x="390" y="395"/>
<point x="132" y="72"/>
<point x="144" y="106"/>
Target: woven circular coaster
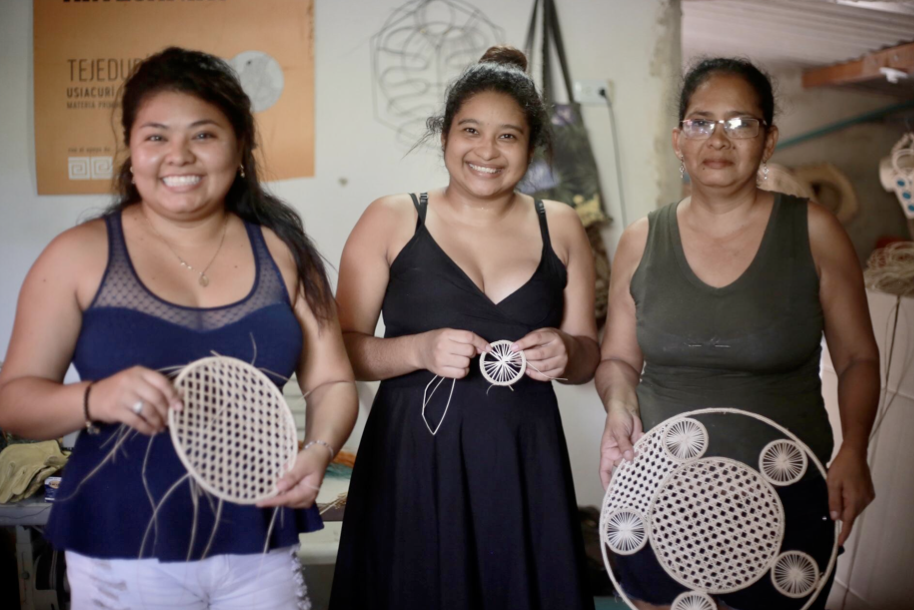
<point x="715" y="524"/>
<point x="235" y="435"/>
<point x="501" y="366"/>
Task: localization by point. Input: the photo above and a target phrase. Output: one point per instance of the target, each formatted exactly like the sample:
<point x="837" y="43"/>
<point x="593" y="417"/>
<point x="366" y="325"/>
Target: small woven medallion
<point x="501" y="366"/>
<point x="795" y="574"/>
<point x="685" y="439"/>
<point x="625" y="532"/>
<point x="782" y="462"/>
<point x="693" y="600"/>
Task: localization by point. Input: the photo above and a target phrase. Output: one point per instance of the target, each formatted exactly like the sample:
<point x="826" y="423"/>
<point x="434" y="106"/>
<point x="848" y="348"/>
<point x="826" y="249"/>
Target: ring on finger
<point x="137" y="407"/>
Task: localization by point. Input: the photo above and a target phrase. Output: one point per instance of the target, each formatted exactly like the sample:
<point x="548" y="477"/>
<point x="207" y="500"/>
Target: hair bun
<point x="505" y="55"/>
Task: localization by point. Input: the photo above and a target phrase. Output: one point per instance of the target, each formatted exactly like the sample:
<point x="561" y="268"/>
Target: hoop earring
<point x="761" y="179"/>
<point x="242" y="170"/>
<point x="132" y="180"/>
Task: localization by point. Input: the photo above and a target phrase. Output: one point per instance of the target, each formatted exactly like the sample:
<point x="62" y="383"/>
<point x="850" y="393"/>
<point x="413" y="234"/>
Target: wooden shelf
<point x="865" y="72"/>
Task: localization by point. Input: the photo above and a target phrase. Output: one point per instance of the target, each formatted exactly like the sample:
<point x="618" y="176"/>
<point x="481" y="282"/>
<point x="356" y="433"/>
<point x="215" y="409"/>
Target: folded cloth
<point x="25" y="466"/>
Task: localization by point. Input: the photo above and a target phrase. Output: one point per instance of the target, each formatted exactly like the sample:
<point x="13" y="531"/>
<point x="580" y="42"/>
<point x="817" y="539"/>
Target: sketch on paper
<point x="422" y="46"/>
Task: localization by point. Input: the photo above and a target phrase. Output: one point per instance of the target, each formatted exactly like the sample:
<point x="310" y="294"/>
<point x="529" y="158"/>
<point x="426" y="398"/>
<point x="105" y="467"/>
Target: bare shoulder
<point x="823" y="224"/>
<point x="74" y="261"/>
<point x="828" y="241"/>
<point x="565" y="228"/>
<point x="634" y="237"/>
<point x="560" y="212"/>
<point x="631" y="247"/>
<point x="386" y="226"/>
<point x="85" y="246"/>
<point x="566" y="233"/>
<point x="391" y="211"/>
<point x="562" y="219"/>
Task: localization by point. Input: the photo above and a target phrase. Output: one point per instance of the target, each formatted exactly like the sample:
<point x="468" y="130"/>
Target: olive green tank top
<point x="754" y="344"/>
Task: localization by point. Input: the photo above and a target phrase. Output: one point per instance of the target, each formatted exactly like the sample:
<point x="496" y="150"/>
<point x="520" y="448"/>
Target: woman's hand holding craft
<point x="447" y="352"/>
<point x="138" y="397"/>
<point x="546" y="351"/>
<point x="298" y="488"/>
<point x="850" y="488"/>
<point x="622" y="431"/>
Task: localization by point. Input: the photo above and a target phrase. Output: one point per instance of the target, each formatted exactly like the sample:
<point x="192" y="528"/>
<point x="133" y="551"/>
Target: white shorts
<point x="224" y="582"/>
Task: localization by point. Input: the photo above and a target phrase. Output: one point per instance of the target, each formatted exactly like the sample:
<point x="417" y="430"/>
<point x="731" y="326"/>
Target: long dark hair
<point x="501" y="69"/>
<point x="212" y="80"/>
<point x="730" y="66"/>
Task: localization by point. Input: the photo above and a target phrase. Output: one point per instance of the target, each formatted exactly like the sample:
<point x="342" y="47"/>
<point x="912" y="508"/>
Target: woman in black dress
<point x="468" y="503"/>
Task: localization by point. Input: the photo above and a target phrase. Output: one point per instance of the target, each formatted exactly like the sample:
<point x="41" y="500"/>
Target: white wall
<point x="633" y="44"/>
<point x="877" y="564"/>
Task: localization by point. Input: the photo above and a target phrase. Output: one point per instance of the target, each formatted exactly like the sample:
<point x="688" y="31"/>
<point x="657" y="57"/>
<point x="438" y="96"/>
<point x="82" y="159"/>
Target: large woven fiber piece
<point x="721" y="501"/>
<point x="235" y="435"/>
<point x="891" y="269"/>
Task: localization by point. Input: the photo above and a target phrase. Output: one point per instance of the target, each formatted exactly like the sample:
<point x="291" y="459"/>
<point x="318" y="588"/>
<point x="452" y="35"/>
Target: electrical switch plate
<point x="587" y="92"/>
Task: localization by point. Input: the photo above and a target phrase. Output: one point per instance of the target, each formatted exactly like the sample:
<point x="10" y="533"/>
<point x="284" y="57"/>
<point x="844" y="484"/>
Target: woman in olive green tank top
<point x="721" y="300"/>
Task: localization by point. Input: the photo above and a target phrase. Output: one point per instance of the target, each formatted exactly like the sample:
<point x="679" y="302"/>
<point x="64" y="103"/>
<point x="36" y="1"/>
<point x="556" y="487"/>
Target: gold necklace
<point x="203" y="279"/>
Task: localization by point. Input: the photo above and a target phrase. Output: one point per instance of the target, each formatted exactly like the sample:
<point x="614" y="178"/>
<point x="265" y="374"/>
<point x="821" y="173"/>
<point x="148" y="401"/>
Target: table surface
<point x="31" y="511"/>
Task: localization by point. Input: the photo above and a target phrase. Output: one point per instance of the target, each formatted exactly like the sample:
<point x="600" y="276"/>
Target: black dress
<point x="481" y="516"/>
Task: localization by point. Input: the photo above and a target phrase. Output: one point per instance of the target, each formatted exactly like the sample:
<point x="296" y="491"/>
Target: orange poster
<point x="84" y="49"/>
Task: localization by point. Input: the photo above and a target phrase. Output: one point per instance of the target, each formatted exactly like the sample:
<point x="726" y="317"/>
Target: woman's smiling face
<point x="487" y="149"/>
<point x="184" y="154"/>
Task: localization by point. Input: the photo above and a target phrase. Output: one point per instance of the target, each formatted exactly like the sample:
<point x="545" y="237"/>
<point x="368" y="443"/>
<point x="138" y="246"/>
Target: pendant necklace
<point x="203" y="279"/>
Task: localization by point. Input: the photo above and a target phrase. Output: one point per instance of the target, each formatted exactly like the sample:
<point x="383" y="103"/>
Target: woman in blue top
<point x="194" y="258"/>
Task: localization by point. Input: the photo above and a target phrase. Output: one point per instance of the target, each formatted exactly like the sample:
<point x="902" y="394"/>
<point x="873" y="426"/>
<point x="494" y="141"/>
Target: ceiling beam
<point x="863" y="69"/>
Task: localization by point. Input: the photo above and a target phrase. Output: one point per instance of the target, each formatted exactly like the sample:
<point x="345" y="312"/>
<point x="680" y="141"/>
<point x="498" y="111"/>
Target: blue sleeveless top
<point x="108" y="514"/>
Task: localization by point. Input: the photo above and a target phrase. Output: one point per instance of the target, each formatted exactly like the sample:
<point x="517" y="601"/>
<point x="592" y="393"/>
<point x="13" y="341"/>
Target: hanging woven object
<point x="235" y="435"/>
<point x="896" y="172"/>
<point x="573" y="176"/>
<point x="724" y="503"/>
<point x="891" y="269"/>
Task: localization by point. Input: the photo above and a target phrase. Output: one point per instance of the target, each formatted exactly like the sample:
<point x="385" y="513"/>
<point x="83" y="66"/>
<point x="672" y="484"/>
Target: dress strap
<point x="269" y="284"/>
<point x="421" y="203"/>
<point x="119" y="262"/>
<point x="544" y="226"/>
<point x="117" y="243"/>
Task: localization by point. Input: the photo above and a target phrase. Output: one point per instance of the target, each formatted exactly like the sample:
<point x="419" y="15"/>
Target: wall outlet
<point x="587" y="92"/>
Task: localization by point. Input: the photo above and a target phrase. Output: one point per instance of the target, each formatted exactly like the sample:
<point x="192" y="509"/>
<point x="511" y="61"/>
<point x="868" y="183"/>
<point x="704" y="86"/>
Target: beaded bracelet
<point x="91" y="428"/>
<point x="320" y="442"/>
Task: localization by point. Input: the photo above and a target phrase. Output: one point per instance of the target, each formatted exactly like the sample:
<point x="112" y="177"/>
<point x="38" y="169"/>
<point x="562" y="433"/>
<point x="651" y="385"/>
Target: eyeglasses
<point x="737" y="128"/>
